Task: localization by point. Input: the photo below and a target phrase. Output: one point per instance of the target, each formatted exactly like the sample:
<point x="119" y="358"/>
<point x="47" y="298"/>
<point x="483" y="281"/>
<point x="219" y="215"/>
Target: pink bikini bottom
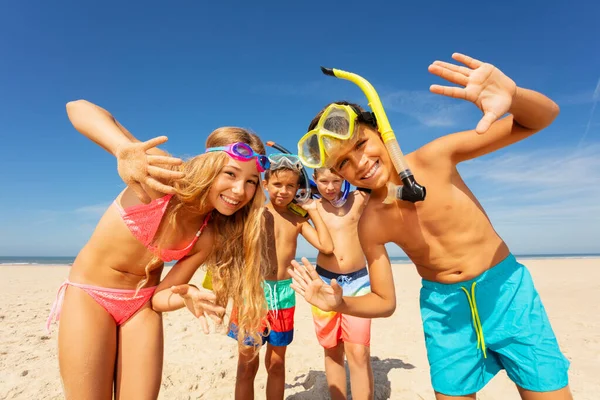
<point x="121" y="304"/>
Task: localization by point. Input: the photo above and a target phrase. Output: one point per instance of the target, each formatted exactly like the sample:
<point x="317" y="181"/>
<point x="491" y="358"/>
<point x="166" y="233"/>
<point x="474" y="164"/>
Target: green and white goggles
<point x="282" y="160"/>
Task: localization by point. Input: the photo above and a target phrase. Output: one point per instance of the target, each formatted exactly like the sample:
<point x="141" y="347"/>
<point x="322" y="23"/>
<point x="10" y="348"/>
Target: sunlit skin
<point x="282" y="228"/>
<point x="234" y="187"/>
<point x="347" y="257"/>
<point x="236" y="183"/>
<point x="97" y="357"/>
<point x="329" y="184"/>
<point x="448" y="236"/>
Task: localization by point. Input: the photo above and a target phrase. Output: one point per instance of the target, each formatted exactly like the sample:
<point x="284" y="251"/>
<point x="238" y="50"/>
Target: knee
<point x="359" y="356"/>
<point x="246" y="370"/>
<point x="276" y="367"/>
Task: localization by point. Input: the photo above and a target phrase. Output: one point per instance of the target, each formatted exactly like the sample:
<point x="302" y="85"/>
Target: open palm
<point x="138" y="168"/>
<point x="482" y="84"/>
<point x="309" y="284"/>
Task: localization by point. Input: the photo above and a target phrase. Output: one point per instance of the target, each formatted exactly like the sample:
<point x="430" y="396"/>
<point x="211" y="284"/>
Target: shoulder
<point x="369" y="220"/>
<point x="361" y="197"/>
<point x="435" y="157"/>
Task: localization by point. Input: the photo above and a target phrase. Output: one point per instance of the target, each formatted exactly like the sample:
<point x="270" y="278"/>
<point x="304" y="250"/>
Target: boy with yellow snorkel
<point x="480" y="310"/>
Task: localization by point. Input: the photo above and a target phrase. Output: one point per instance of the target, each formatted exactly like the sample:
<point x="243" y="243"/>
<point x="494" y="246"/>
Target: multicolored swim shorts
<point x="330" y="326"/>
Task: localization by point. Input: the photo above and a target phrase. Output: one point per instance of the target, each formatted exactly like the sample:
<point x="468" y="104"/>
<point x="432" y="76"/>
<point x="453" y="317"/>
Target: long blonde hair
<point x="236" y="260"/>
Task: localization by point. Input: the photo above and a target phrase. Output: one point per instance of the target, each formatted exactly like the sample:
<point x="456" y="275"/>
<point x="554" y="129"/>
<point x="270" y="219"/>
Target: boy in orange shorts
<point x="342" y="334"/>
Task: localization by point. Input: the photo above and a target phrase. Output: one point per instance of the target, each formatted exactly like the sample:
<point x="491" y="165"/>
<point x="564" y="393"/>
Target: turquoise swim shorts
<point x="496" y="321"/>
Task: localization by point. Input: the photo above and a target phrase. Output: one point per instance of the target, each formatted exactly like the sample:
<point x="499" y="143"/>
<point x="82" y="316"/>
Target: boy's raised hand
<point x="482" y="84"/>
<point x="306" y="282"/>
<point x="136" y="167"/>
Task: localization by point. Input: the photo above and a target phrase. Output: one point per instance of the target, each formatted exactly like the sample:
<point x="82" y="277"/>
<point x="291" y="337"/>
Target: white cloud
<point x="429" y="109"/>
<point x="541" y="201"/>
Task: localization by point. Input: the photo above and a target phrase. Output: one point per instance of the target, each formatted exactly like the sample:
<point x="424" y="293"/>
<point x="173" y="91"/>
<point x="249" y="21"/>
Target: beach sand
<point x="199" y="366"/>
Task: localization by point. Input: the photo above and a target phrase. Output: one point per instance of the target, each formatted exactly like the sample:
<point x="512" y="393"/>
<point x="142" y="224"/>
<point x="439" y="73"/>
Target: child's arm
<point x="174" y="292"/>
<point x="138" y="163"/>
<point x="495" y="94"/>
<point x="165" y="299"/>
<point x="380" y="303"/>
<point x="98" y="125"/>
<point x="319" y="236"/>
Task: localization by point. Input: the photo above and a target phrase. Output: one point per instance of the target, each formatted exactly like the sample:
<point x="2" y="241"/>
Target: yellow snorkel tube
<point x="410" y="190"/>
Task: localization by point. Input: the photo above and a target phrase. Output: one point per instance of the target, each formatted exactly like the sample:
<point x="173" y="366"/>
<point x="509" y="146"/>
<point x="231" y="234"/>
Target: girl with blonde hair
<point x="206" y="210"/>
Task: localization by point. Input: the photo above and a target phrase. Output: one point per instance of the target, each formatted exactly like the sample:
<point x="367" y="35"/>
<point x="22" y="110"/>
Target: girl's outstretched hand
<point x="306" y="282"/>
<point x="136" y="167"/>
<point x="482" y="84"/>
<point x="200" y="302"/>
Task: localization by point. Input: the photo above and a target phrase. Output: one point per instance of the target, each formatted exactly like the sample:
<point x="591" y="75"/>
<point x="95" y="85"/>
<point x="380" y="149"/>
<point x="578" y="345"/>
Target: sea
<point x="68" y="260"/>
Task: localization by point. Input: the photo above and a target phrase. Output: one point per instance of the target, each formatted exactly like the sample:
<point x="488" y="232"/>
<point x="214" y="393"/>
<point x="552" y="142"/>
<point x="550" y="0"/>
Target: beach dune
<point x="199" y="366"/>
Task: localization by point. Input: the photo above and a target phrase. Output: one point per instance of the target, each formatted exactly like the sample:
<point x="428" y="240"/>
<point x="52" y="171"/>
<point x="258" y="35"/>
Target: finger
<point x="165" y="160"/>
<point x="449" y="75"/>
<point x="139" y="192"/>
<point x="148" y="144"/>
<point x="310" y="269"/>
<point x="484" y="124"/>
<point x="449" y="91"/>
<point x="453" y="67"/>
<point x="163" y="173"/>
<point x="159" y="186"/>
<point x="468" y="61"/>
<point x="335" y="286"/>
<point x="198" y="310"/>
<point x="297" y="289"/>
<point x="204" y="324"/>
<point x="208" y="306"/>
<point x="206" y="295"/>
<point x="297" y="278"/>
<point x="303" y="272"/>
<point x="215" y="317"/>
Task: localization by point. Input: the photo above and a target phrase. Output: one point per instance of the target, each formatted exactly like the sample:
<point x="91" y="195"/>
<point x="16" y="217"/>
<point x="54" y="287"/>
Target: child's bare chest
<point x="340" y="222"/>
<point x="283" y="228"/>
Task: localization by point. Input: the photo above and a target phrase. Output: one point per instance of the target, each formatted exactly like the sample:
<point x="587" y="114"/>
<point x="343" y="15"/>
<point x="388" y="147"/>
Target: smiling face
<point x="365" y="163"/>
<point x="234" y="186"/>
<point x="328" y="183"/>
<point x="282" y="186"/>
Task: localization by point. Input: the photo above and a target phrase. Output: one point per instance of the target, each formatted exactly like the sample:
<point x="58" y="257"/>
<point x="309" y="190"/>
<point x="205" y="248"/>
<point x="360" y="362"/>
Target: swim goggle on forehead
<point x="304" y="193"/>
<point x="243" y="152"/>
<point x="282" y="160"/>
<point x="338" y="122"/>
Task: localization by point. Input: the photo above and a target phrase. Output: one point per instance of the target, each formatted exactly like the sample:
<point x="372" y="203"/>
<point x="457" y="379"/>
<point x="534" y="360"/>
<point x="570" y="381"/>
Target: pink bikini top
<point x="143" y="221"/>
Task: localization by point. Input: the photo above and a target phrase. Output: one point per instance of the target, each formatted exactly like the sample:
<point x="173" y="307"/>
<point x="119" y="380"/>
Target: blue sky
<point x="186" y="69"/>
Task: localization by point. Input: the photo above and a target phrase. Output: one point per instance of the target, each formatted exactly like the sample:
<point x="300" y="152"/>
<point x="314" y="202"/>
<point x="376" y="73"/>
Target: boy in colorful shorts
<point x="282" y="181"/>
<point x="341" y="334"/>
<point x="480" y="310"/>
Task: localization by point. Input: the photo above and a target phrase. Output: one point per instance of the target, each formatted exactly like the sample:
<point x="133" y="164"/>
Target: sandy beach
<point x="199" y="366"/>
